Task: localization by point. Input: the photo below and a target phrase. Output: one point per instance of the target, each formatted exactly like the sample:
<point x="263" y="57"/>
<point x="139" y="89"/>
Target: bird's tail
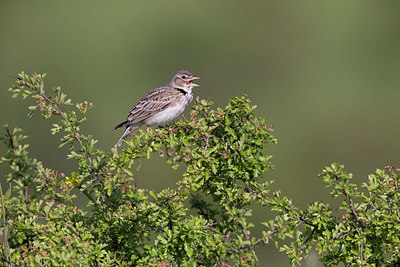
<point x="127" y="132"/>
<point x="120" y="125"/>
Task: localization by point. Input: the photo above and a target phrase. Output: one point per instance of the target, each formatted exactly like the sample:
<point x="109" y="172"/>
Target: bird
<point x="160" y="105"/>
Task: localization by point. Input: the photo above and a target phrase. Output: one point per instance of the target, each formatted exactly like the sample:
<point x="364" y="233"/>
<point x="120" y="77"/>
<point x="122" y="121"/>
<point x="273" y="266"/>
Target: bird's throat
<point x="183" y="91"/>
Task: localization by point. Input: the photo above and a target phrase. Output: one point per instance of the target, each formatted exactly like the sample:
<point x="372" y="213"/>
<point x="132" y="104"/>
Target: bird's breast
<point x="166" y="115"/>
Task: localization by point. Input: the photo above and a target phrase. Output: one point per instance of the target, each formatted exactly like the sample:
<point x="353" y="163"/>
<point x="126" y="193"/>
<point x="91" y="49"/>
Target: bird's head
<point x="183" y="79"/>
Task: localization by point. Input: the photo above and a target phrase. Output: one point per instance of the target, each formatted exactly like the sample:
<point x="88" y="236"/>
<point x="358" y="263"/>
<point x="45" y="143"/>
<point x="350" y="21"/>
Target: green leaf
<point x="153" y="194"/>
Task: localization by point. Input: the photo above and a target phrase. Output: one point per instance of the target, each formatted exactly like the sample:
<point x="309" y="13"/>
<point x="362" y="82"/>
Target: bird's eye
<point x="184" y="77"/>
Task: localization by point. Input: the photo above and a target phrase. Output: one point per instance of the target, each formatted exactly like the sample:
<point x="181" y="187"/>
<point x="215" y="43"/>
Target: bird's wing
<point x="154" y="101"/>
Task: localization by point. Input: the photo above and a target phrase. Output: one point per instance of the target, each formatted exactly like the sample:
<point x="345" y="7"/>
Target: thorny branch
<point x="76" y="136"/>
<point x="11" y="142"/>
<point x="3" y="211"/>
<point x="260" y="194"/>
<point x="306" y="241"/>
<point x="255" y="244"/>
<point x="205" y="148"/>
<point x="57" y="108"/>
<point x="349" y="200"/>
<point x="355" y="214"/>
<point x="246" y="236"/>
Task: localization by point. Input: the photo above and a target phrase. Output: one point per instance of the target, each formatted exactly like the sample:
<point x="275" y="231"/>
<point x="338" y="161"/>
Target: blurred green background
<point x="326" y="74"/>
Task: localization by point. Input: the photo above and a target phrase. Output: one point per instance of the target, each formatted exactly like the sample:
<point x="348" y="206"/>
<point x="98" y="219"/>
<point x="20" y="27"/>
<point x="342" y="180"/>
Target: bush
<point x="205" y="219"/>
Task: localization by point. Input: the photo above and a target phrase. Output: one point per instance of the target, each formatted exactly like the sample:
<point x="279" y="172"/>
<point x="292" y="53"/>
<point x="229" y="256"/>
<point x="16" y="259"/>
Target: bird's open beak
<point x="193" y="84"/>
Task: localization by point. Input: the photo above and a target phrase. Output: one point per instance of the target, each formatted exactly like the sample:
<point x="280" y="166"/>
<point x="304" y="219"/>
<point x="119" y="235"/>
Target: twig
<point x="227" y="235"/>
<point x="205" y="148"/>
<point x="353" y="210"/>
<point x="73" y="230"/>
<point x="302" y="221"/>
<point x="260" y="193"/>
<point x="244" y="232"/>
<point x="3" y="211"/>
<point x="76" y="136"/>
<point x="355" y="214"/>
<point x="12" y="145"/>
<point x="266" y="236"/>
<point x="13" y="76"/>
<point x="341" y="236"/>
<point x="254" y="191"/>
<point x="42" y="94"/>
<point x="224" y="263"/>
<point x="362" y="257"/>
<point x="255" y="244"/>
<point x="306" y="241"/>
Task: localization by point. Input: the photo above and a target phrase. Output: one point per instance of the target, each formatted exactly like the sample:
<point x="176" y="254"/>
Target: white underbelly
<point x="165" y="116"/>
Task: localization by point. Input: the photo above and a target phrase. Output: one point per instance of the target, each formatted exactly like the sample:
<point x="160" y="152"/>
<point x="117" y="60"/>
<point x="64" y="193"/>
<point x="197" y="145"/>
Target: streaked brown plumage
<point x="161" y="105"/>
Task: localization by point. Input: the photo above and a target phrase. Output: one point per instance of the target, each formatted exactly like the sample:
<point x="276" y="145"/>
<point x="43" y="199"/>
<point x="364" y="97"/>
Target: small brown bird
<point x="161" y="105"/>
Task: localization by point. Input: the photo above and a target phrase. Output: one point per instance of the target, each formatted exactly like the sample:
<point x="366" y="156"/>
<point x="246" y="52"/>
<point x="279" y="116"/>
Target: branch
<point x="362" y="257"/>
<point x="353" y="210"/>
<point x="260" y="193"/>
<point x="306" y="241"/>
<point x="341" y="236"/>
<point x="73" y="230"/>
<point x="255" y="192"/>
<point x="3" y="211"/>
<point x="56" y="107"/>
<point x="227" y="235"/>
<point x="302" y="221"/>
<point x="244" y="232"/>
<point x="266" y="236"/>
<point x="224" y="263"/>
<point x="255" y="244"/>
<point x="205" y="148"/>
<point x="10" y="140"/>
<point x="76" y="136"/>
